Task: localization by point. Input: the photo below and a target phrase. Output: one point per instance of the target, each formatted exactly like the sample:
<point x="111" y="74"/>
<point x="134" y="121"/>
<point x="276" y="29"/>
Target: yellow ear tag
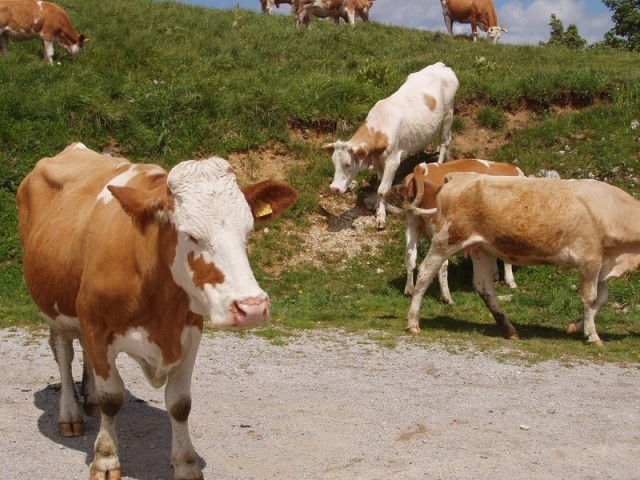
<point x="263" y="209"/>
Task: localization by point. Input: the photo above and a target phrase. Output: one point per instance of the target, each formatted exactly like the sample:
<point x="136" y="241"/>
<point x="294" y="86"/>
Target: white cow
<point x="397" y="126"/>
<point x="584" y="224"/>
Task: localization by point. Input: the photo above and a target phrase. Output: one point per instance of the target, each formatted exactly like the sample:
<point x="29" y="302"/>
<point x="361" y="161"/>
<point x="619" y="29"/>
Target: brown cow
<point x="267" y="5"/>
<point x="479" y="13"/>
<point x="128" y="258"/>
<point x="584" y="224"/>
<point x="419" y="189"/>
<point x="348" y="10"/>
<point x="29" y="19"/>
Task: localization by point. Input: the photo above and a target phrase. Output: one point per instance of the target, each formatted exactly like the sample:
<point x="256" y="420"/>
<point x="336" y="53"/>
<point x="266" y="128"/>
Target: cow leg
<point x="594" y="294"/>
<point x="4" y="43"/>
<point x="351" y="18"/>
<point x="448" y="21"/>
<point x="443" y="280"/>
<point x="90" y="396"/>
<point x="445" y="136"/>
<point x="47" y="50"/>
<point x="70" y="422"/>
<point x="177" y="396"/>
<point x="390" y="167"/>
<point x="474" y="31"/>
<point x="508" y="276"/>
<point x="106" y="465"/>
<point x="412" y="235"/>
<point x="427" y="271"/>
<point x="483" y="264"/>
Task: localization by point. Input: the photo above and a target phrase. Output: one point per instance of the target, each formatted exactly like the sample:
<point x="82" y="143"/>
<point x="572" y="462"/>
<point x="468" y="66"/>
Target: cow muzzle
<point x="249" y="312"/>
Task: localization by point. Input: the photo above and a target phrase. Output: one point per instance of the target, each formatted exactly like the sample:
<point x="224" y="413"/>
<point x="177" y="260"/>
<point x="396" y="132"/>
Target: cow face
<point x="493" y="33"/>
<point x="213" y="221"/>
<point x="348" y="161"/>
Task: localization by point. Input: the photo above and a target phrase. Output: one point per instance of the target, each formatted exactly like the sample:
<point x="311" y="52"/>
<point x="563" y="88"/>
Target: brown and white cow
<point x="267" y="5"/>
<point x="29" y="19"/>
<point x="128" y="258"/>
<point x="348" y="10"/>
<point x="397" y="126"/>
<point x="418" y="189"/>
<point x="584" y="224"/>
<point x="479" y="13"/>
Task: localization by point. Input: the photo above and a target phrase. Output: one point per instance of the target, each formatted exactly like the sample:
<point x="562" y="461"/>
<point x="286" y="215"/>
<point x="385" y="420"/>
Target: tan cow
<point x="128" y="258"/>
<point x="479" y="13"/>
<point x="348" y="10"/>
<point x="406" y="122"/>
<point x="29" y="19"/>
<point x="584" y="224"/>
<point x="267" y="5"/>
<point x="419" y="189"/>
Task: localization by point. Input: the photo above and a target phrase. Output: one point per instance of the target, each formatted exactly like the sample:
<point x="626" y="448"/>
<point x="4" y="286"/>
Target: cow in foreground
<point x="348" y="10"/>
<point x="128" y="258"/>
<point x="584" y="224"/>
<point x="479" y="13"/>
<point x="418" y="189"/>
<point x="29" y="19"/>
<point x="397" y="126"/>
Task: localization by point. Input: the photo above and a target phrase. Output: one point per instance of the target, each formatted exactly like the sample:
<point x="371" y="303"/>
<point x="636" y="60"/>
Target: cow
<point x="29" y="19"/>
<point x="348" y="10"/>
<point x="584" y="224"/>
<point x="419" y="189"/>
<point x="128" y="258"/>
<point x="404" y="123"/>
<point x="479" y="13"/>
<point x="267" y="5"/>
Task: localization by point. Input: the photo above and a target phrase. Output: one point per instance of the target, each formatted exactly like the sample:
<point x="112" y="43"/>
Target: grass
<point x="161" y="82"/>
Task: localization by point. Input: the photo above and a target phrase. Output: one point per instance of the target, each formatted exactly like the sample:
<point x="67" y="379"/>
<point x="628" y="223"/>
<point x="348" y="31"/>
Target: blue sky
<point x="526" y="20"/>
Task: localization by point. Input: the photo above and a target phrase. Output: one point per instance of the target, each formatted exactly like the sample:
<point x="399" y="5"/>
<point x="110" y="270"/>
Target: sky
<point x="527" y="21"/>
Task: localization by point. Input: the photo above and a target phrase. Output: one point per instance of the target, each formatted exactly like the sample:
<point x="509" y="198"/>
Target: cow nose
<point x="250" y="311"/>
<point x="335" y="190"/>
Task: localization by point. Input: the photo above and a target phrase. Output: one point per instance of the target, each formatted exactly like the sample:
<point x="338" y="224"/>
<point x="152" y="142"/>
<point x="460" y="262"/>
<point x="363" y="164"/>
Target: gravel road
<point x="328" y="405"/>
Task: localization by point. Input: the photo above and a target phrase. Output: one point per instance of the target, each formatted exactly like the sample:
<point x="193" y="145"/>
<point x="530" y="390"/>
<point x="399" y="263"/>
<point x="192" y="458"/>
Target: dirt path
<point x="334" y="406"/>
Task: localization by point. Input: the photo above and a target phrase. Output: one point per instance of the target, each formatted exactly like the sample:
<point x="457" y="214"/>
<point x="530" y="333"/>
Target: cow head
<point x="493" y="33"/>
<point x="348" y="160"/>
<point x="209" y="219"/>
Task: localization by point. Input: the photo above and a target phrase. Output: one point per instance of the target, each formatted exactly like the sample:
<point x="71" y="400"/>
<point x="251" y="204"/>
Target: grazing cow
<point x="267" y="5"/>
<point x="29" y="19"/>
<point x="419" y="189"/>
<point x="479" y="13"/>
<point x="585" y="224"/>
<point x="397" y="126"/>
<point x="336" y="9"/>
<point x="128" y="258"/>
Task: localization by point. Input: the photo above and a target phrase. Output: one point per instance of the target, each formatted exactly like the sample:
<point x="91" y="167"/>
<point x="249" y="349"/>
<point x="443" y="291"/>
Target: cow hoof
<point x="448" y="301"/>
<point x="110" y="475"/>
<point x="71" y="429"/>
<point x="413" y="330"/>
<point x="571" y="328"/>
<point x="597" y="343"/>
<point x="513" y="336"/>
<point x="381" y="225"/>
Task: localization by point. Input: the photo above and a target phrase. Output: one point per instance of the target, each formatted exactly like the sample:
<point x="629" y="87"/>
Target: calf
<point x="29" y="19"/>
<point x="128" y="258"/>
<point x="348" y="10"/>
<point x="397" y="126"/>
<point x="267" y="5"/>
<point x="479" y="13"/>
<point x="419" y="190"/>
<point x="584" y="224"/>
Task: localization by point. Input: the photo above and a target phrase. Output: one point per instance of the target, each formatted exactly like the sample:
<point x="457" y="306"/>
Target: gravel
<point x="329" y="405"/>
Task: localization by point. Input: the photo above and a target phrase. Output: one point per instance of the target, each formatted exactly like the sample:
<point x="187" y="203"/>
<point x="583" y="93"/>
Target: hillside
<point x="162" y="82"/>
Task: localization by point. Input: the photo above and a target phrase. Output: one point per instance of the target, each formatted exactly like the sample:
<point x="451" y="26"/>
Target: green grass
<point x="161" y="82"/>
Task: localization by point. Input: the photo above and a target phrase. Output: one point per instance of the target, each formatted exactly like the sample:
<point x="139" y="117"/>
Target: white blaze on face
<point x="213" y="221"/>
<point x="346" y="167"/>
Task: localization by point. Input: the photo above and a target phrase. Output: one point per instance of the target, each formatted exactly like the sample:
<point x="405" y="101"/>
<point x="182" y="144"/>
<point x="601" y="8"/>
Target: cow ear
<point x="269" y="198"/>
<point x="143" y="206"/>
<point x="329" y="148"/>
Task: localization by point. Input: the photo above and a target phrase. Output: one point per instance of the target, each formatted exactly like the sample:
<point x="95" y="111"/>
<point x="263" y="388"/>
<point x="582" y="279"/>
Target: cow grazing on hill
<point x="348" y="10"/>
<point x="267" y="5"/>
<point x="419" y="189"/>
<point x="397" y="126"/>
<point x="584" y="224"/>
<point x="29" y="19"/>
<point x="479" y="13"/>
<point x="128" y="258"/>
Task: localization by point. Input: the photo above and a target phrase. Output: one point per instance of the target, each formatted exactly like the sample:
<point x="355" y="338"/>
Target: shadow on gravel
<point x="144" y="434"/>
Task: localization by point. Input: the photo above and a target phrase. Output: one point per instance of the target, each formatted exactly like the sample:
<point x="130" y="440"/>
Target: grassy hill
<point x="161" y="82"/>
